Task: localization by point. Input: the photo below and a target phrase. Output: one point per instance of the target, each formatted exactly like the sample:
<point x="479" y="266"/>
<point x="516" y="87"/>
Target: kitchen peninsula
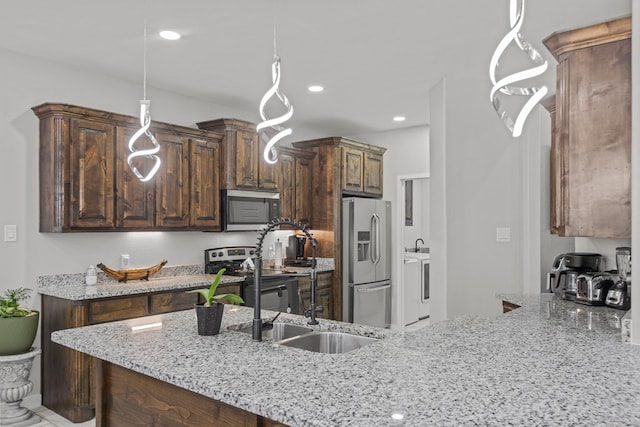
<point x="549" y="362"/>
<point x="67" y="376"/>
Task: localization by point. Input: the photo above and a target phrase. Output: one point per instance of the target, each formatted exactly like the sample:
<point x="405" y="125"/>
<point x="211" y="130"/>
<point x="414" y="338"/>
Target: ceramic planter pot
<point x="18" y="333"/>
<point x="209" y="318"/>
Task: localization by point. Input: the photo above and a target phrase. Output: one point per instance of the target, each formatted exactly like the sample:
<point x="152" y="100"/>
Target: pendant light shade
<point x="270" y="152"/>
<point x="145" y="122"/>
<point x="150" y="153"/>
<point x="508" y="85"/>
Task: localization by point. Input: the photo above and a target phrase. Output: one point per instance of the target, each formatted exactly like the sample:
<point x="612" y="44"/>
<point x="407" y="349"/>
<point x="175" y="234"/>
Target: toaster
<point x="592" y="287"/>
<point x="619" y="296"/>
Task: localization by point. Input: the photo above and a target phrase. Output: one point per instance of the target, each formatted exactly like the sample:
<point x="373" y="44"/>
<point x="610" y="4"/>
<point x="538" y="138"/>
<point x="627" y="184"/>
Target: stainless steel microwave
<point x="248" y="210"/>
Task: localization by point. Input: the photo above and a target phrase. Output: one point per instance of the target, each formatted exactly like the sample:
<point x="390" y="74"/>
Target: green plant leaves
<point x="209" y="294"/>
<point x="10" y="303"/>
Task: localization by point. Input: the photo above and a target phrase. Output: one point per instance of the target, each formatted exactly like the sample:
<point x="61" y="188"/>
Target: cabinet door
<point x="352" y="170"/>
<point x="172" y="187"/>
<point x="373" y="173"/>
<point x="135" y="200"/>
<point x="167" y="302"/>
<point x="287" y="165"/>
<point x="267" y="173"/>
<point x="246" y="160"/>
<point x="109" y="310"/>
<point x="205" y="185"/>
<point x="303" y="190"/>
<point x="323" y="298"/>
<point x="91" y="174"/>
<point x="324" y="285"/>
<point x="599" y="142"/>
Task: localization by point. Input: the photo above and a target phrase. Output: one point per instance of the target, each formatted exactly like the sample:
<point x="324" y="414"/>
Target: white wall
<point x="483" y="191"/>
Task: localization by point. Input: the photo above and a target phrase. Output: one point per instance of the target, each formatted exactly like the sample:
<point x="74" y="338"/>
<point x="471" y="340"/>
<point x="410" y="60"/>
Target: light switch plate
<point x="10" y="233"/>
<point x="503" y="234"/>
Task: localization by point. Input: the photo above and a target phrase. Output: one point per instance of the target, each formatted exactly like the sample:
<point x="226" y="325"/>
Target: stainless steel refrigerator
<point x="366" y="262"/>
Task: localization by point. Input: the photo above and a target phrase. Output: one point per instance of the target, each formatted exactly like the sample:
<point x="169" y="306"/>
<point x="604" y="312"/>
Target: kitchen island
<point x="549" y="362"/>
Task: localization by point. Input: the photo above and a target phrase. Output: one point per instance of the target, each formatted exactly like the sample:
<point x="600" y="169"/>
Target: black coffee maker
<point x="295" y="251"/>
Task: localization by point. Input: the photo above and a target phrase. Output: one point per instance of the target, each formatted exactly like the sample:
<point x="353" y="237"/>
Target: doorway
<point x="413" y="231"/>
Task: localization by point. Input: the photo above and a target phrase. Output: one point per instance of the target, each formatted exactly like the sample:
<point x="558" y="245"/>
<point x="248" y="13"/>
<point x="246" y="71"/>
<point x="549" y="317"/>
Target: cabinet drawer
<point x="171" y="301"/>
<point x="118" y="309"/>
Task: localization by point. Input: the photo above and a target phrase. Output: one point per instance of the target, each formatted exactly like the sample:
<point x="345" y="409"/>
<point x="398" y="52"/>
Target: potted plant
<point x="18" y="325"/>
<point x="209" y="314"/>
<point x="18" y="328"/>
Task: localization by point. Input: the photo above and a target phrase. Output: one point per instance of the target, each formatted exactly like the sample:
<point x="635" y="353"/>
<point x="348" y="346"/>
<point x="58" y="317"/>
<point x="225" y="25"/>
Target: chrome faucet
<point x="256" y="331"/>
<point x="417" y="243"/>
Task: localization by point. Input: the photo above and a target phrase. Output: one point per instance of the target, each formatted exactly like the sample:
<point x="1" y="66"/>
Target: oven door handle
<point x="275" y="289"/>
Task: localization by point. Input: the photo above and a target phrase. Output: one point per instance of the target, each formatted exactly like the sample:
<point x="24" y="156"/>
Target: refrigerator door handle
<point x="376" y="289"/>
<point x="372" y="246"/>
<point x="377" y="236"/>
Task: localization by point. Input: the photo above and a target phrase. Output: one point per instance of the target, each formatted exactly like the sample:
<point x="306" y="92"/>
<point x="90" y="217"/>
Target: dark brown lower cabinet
<point x="128" y="398"/>
<point x="324" y="282"/>
<point x="67" y="375"/>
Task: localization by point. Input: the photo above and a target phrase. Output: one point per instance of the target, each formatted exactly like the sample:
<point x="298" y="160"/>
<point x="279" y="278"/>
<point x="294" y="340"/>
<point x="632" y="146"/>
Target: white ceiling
<point x="376" y="58"/>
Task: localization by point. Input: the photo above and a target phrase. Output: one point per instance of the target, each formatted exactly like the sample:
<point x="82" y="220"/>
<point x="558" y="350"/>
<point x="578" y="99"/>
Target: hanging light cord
<point x="145" y="122"/>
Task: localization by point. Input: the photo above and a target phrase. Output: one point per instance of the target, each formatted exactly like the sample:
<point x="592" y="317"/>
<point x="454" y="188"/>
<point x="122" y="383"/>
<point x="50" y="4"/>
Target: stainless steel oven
<point x="278" y="293"/>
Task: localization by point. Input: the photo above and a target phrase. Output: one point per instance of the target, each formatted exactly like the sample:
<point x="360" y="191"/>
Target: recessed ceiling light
<point x="399" y="118"/>
<point x="169" y="35"/>
<point x="316" y="88"/>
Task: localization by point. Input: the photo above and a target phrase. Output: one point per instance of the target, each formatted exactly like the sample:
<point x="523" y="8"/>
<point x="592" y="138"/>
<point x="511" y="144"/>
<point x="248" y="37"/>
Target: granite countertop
<point x="72" y="287"/>
<point x="538" y="365"/>
<point x="80" y="291"/>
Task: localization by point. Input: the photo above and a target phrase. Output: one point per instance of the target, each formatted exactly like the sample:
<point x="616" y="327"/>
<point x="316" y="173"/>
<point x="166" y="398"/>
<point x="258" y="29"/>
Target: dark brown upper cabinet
<point x="86" y="183"/>
<point x="591" y="140"/>
<point x="243" y="165"/>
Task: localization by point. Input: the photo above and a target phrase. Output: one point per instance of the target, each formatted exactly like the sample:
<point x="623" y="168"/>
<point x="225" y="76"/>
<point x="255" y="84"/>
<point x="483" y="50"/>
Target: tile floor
<point x="51" y="419"/>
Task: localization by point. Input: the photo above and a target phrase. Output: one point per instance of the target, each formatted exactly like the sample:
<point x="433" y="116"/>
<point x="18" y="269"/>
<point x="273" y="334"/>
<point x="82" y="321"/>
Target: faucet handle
<point x="319" y="309"/>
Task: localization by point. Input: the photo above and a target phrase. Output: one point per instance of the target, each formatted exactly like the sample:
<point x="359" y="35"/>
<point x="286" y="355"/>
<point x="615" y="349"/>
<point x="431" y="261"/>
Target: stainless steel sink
<point x="280" y="331"/>
<point x="328" y="342"/>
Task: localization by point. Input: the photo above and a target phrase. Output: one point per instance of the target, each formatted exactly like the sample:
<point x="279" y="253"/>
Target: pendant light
<point x="506" y="85"/>
<point x="270" y="152"/>
<point x="145" y="122"/>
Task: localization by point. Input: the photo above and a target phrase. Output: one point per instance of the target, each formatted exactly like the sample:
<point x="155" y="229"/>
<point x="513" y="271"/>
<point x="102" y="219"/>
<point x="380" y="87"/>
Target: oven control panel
<point x="229" y="253"/>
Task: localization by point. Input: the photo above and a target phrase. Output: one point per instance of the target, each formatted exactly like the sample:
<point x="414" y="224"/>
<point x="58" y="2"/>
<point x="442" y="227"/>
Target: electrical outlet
<point x="503" y="234"/>
<point x="124" y="261"/>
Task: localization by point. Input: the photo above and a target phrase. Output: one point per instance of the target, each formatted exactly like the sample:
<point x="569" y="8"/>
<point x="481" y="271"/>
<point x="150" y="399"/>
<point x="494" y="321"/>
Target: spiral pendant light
<point x="508" y="85"/>
<point x="145" y="122"/>
<point x="274" y="124"/>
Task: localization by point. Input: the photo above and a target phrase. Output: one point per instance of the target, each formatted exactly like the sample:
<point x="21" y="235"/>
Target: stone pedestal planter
<point x="14" y="386"/>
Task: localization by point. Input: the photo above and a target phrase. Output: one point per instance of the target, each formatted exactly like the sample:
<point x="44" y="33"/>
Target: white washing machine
<point x="412" y="294"/>
<point x="423" y="260"/>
